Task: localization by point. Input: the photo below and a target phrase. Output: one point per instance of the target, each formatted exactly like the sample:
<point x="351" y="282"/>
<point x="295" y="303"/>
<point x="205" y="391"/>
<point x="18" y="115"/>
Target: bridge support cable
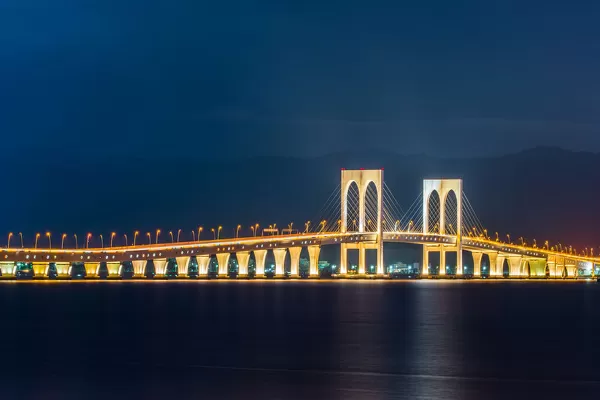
<point x="392" y="211"/>
<point x="372" y="212"/>
<point x="471" y="223"/>
<point x="412" y="220"/>
<point x="330" y="214"/>
<point x="451" y="215"/>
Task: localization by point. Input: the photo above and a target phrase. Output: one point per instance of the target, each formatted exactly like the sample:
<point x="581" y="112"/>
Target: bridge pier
<point x="442" y="271"/>
<point x="279" y="255"/>
<point x="499" y="264"/>
<point x="260" y="256"/>
<point x="515" y="266"/>
<point x="139" y="268"/>
<point x="343" y="259"/>
<point x="62" y="269"/>
<point x="362" y="259"/>
<point x="295" y="261"/>
<point x="203" y="263"/>
<point x="160" y="266"/>
<point x="477" y="256"/>
<point x="223" y="261"/>
<point x="243" y="258"/>
<point x="183" y="266"/>
<point x="7" y="268"/>
<point x="91" y="269"/>
<point x="313" y="254"/>
<point x="114" y="269"/>
<point x="41" y="269"/>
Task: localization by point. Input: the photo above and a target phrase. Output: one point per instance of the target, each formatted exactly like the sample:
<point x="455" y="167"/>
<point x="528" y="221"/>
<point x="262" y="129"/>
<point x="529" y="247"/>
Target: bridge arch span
<point x="350" y="200"/>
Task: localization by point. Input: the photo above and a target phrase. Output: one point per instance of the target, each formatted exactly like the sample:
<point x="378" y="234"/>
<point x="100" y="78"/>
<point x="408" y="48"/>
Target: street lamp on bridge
<point x="322" y="225"/>
<point x="157" y="235"/>
<point x="178" y="235"/>
<point x="237" y="231"/>
<point x="37" y="236"/>
<point x="10" y="235"/>
<point x="125" y="236"/>
<point x="76" y="244"/>
<point x="171" y="234"/>
<point x="62" y="240"/>
<point x="112" y="238"/>
<point x="306" y="226"/>
<point x="149" y="237"/>
<point x="135" y="235"/>
<point x="101" y="241"/>
<point x="49" y="236"/>
<point x="200" y="229"/>
<point x="21" y="236"/>
<point x="87" y="240"/>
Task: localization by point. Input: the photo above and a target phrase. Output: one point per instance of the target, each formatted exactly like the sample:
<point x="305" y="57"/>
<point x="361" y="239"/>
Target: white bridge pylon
<point x="443" y="188"/>
<point x="362" y="179"/>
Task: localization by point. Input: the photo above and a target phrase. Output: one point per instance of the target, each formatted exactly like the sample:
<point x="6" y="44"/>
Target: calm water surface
<point x="300" y="340"/>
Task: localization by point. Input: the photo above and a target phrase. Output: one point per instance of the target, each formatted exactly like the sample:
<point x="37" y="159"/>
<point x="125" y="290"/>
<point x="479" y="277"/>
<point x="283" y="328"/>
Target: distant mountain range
<point x="543" y="193"/>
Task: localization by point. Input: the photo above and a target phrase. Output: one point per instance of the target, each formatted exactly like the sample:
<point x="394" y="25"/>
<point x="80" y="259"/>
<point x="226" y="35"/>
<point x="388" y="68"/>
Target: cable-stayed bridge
<point x="360" y="215"/>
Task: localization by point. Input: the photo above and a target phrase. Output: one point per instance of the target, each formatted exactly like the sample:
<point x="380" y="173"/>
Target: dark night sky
<point x="299" y="77"/>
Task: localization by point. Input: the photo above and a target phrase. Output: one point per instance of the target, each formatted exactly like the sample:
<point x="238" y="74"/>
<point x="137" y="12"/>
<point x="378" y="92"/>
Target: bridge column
<point x="362" y="260"/>
<point x="313" y="254"/>
<point x="160" y="266"/>
<point x="223" y="261"/>
<point x="260" y="256"/>
<point x="114" y="269"/>
<point x="243" y="257"/>
<point x="7" y="268"/>
<point x="295" y="261"/>
<point x="477" y="264"/>
<point x="425" y="266"/>
<point x="279" y="255"/>
<point x="139" y="268"/>
<point x="571" y="268"/>
<point x="203" y="263"/>
<point x="183" y="265"/>
<point x="62" y="268"/>
<point x="515" y="266"/>
<point x="459" y="261"/>
<point x="91" y="269"/>
<point x="343" y="259"/>
<point x="41" y="268"/>
<point x="493" y="257"/>
<point x="500" y="266"/>
<point x="442" y="271"/>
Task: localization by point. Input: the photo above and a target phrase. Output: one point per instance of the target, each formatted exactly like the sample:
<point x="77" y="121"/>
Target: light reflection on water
<point x="298" y="340"/>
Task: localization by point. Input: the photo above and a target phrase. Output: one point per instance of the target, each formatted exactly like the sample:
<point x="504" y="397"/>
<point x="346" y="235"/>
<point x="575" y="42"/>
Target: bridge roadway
<point x="315" y="240"/>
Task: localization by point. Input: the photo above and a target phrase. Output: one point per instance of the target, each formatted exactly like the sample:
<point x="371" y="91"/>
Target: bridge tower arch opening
<point x="368" y="208"/>
<point x="352" y="198"/>
<point x="433" y="216"/>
